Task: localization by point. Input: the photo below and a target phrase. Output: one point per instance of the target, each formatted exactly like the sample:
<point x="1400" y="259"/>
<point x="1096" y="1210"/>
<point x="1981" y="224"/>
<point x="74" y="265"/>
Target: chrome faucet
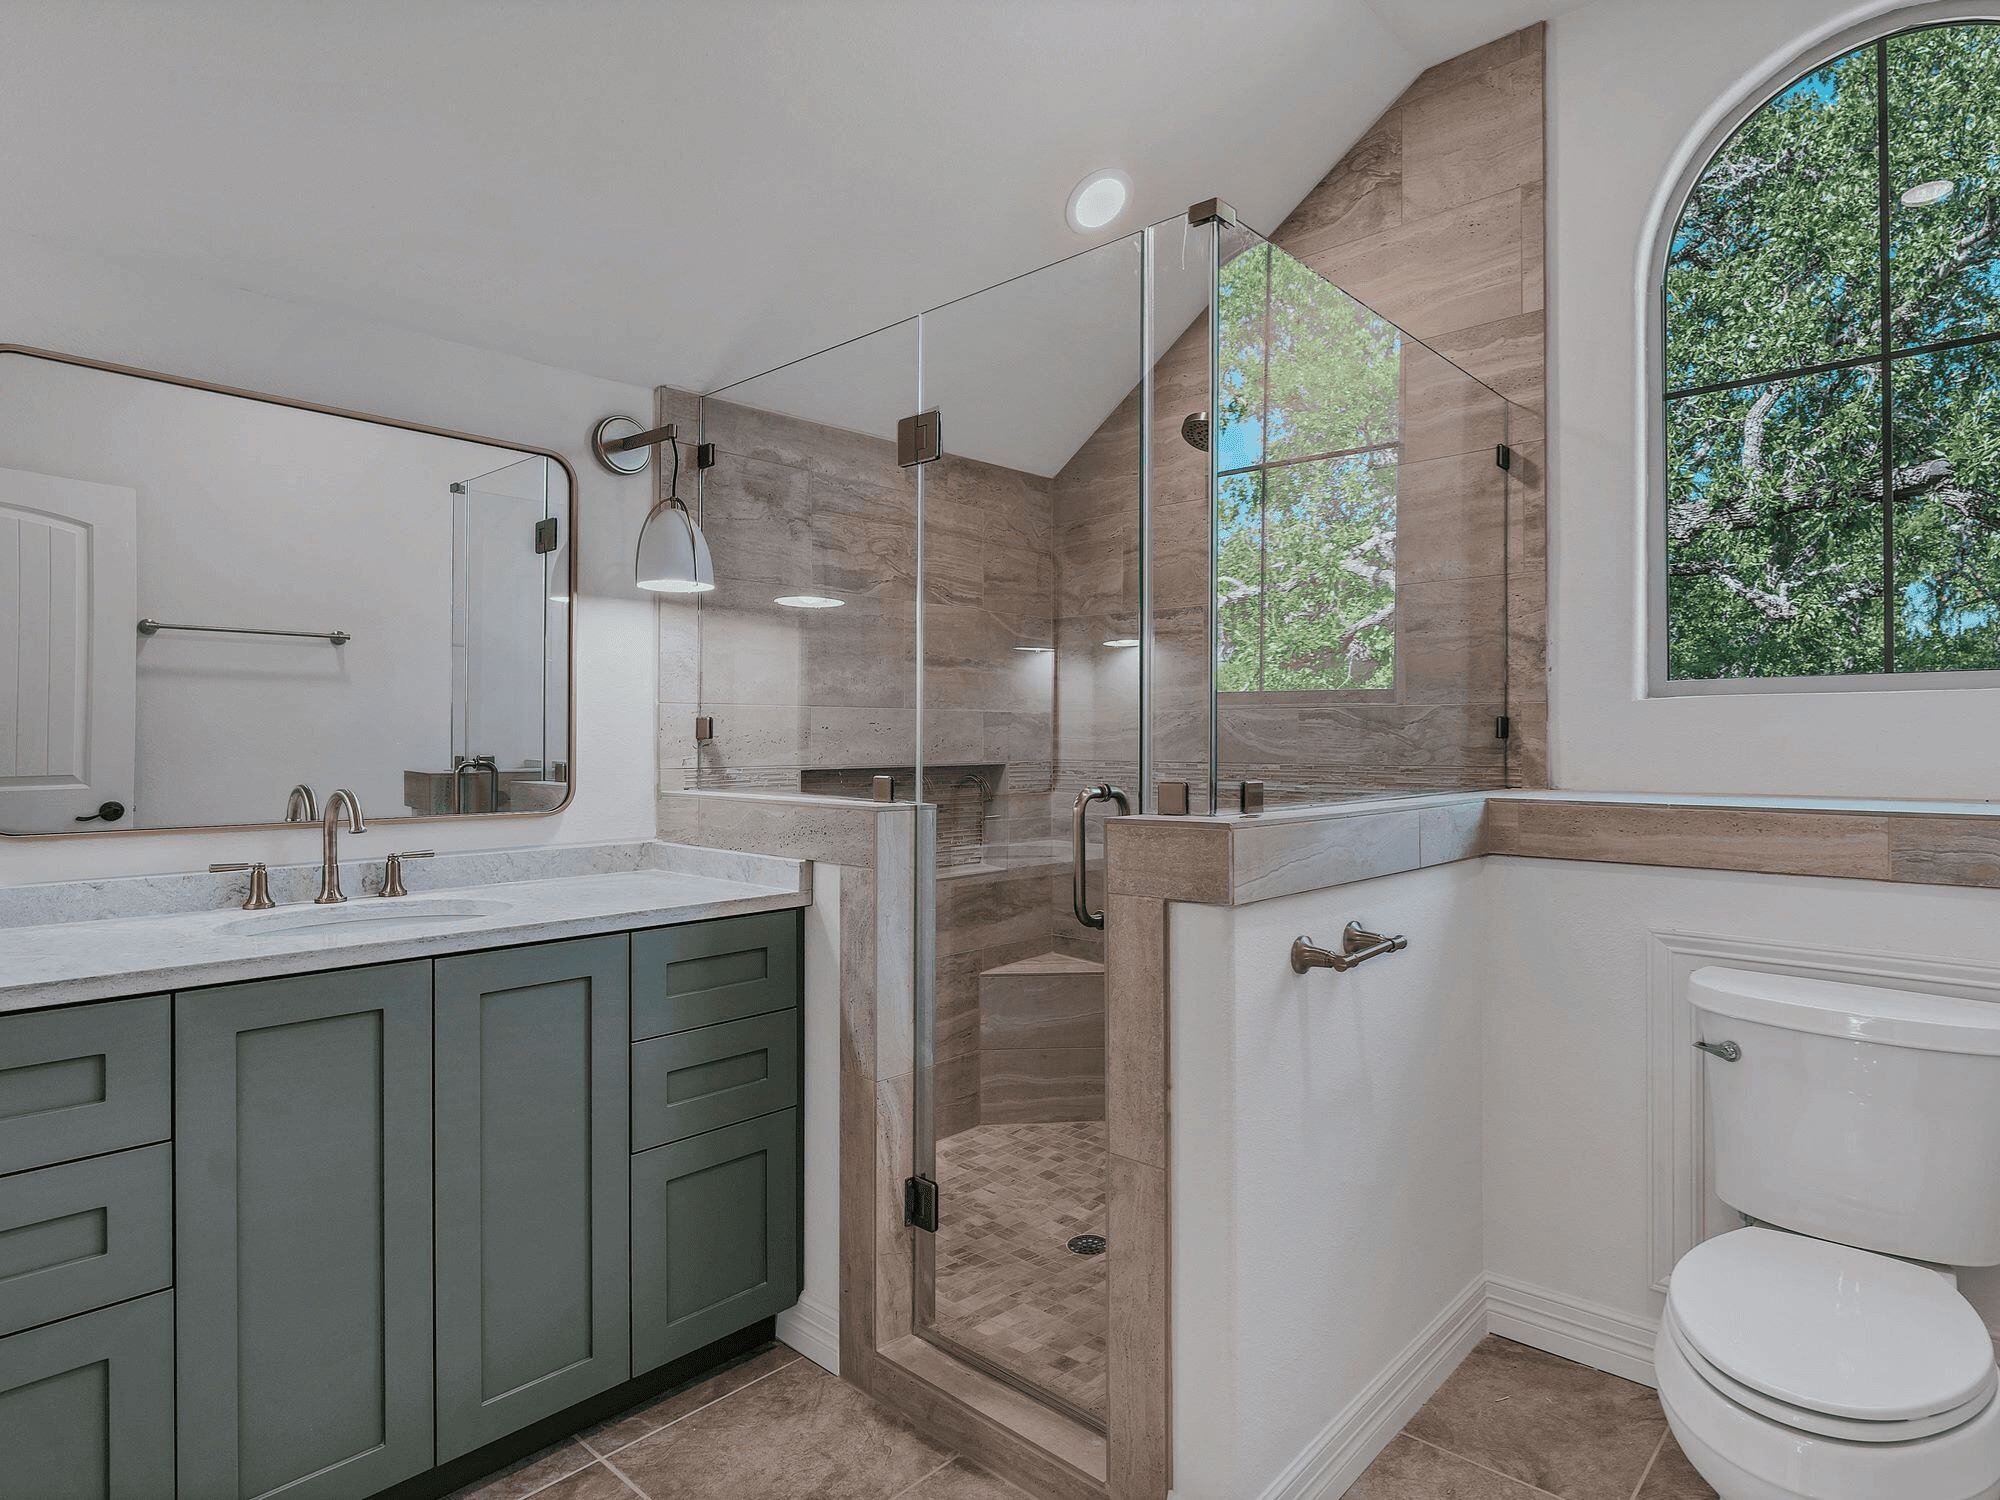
<point x="329" y="868"/>
<point x="302" y="806"/>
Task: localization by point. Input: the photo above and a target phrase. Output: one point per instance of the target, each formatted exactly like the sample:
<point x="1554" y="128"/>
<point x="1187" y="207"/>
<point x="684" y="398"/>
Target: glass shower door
<point x="1033" y="620"/>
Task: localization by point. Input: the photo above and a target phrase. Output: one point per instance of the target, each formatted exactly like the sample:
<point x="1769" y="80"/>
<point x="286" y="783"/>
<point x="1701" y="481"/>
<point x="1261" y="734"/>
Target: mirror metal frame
<point x="569" y="474"/>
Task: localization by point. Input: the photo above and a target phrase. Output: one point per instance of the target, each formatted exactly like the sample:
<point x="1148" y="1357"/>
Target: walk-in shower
<point x="1197" y="519"/>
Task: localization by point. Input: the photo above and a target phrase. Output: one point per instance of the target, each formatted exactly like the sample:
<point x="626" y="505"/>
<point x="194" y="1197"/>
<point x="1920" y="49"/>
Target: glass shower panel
<point x="1032" y="596"/>
<point x="807" y="645"/>
<point x="510" y="646"/>
<point x="1360" y="546"/>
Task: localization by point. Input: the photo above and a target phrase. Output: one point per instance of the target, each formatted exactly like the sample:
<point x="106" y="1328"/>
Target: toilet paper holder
<point x="1357" y="946"/>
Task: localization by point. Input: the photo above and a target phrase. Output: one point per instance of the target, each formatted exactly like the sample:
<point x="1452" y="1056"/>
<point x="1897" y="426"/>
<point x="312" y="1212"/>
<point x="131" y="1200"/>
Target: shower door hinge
<point x="919" y="439"/>
<point x="545" y="535"/>
<point x="1503" y="456"/>
<point x="704" y="455"/>
<point x="1212" y="211"/>
<point x="920" y="1203"/>
<point x="1503" y="727"/>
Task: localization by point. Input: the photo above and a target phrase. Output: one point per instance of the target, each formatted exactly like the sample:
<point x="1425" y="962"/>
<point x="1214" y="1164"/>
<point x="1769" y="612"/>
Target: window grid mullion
<point x="1885" y="341"/>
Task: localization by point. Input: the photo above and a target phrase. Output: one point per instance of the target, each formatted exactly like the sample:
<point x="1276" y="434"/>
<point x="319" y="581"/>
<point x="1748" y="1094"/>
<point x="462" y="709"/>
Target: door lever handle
<point x="1727" y="1051"/>
<point x="109" y="812"/>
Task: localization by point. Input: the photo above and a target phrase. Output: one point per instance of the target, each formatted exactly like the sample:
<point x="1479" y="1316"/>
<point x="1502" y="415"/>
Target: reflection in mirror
<point x="216" y="608"/>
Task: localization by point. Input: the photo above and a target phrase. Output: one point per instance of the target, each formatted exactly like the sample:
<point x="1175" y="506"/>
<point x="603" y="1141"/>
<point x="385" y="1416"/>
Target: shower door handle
<point x="1079" y="898"/>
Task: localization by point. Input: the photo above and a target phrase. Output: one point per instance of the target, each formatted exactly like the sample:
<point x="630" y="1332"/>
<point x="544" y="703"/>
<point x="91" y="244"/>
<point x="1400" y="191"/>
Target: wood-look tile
<point x="1454" y="72"/>
<point x="895" y="1160"/>
<point x="798" y="1432"/>
<point x="1362" y="195"/>
<point x="607" y="1437"/>
<point x="1451" y="640"/>
<point x="1435" y="275"/>
<point x="1672" y="1477"/>
<point x="963" y="1480"/>
<point x="1574" y="1432"/>
<point x="1945" y="850"/>
<point x="1451" y="832"/>
<point x="1527" y="637"/>
<point x="1534" y="242"/>
<point x="1772" y="841"/>
<point x="1410" y="1470"/>
<point x="1473" y="138"/>
<point x="1307" y="854"/>
<point x="1136" y="1023"/>
<point x="1140" y="1421"/>
<point x="1445" y="411"/>
<point x="530" y="1475"/>
<point x="1023" y="1008"/>
<point x="1186" y="860"/>
<point x="1451" y="518"/>
<point x="1026" y="1085"/>
<point x="1506" y="354"/>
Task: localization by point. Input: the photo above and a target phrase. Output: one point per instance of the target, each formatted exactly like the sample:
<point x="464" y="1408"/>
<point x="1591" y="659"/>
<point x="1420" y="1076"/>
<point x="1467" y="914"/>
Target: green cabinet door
<point x="302" y="1256"/>
<point x="87" y="1406"/>
<point x="715" y="1235"/>
<point x="533" y="1151"/>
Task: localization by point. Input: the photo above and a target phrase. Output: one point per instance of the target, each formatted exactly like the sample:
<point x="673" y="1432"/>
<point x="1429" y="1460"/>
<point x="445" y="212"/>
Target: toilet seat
<point x="1830" y="1339"/>
<point x="1846" y="1429"/>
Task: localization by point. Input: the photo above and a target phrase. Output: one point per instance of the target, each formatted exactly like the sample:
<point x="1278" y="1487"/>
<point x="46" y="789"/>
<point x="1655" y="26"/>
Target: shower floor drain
<point x="1088" y="1244"/>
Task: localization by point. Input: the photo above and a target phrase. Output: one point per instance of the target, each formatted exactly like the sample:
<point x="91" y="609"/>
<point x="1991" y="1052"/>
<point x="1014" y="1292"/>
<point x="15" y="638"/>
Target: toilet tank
<point x="1862" y="1115"/>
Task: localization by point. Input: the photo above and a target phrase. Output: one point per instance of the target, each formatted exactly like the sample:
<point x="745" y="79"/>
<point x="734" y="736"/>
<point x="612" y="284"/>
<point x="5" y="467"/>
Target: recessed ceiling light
<point x="1924" y="194"/>
<point x="1123" y="641"/>
<point x="808" y="601"/>
<point x="1098" y="199"/>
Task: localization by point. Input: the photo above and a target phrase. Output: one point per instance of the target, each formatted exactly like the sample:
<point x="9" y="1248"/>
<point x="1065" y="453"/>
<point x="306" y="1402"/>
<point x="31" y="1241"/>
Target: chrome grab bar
<point x="1079" y="897"/>
<point x="1357" y="946"/>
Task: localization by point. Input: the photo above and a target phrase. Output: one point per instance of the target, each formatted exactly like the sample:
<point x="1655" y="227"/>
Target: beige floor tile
<point x="796" y="1433"/>
<point x="1673" y="1478"/>
<point x="1409" y="1470"/>
<point x="529" y="1475"/>
<point x="1576" y="1432"/>
<point x="650" y="1416"/>
<point x="594" y="1483"/>
<point x="963" y="1480"/>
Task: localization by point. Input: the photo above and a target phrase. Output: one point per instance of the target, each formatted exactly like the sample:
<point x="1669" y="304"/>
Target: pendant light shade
<point x="673" y="554"/>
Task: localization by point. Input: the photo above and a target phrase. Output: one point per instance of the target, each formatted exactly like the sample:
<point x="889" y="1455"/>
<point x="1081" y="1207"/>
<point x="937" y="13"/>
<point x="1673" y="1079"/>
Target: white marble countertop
<point x="61" y="962"/>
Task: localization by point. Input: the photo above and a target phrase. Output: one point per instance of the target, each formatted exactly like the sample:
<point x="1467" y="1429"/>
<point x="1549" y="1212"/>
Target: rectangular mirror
<point x="216" y="607"/>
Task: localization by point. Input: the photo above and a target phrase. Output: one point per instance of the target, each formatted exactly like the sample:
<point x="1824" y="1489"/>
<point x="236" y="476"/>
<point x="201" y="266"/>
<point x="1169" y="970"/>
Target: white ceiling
<point x="676" y="191"/>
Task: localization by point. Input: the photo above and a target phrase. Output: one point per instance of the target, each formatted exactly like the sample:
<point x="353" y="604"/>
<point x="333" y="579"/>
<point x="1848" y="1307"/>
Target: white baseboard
<point x="1586" y="1332"/>
<point x="813" y="1329"/>
<point x="1348" y="1445"/>
<point x="1601" y="1337"/>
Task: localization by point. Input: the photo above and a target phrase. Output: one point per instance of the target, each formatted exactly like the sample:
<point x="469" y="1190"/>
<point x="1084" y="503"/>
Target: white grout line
<point x="591" y="1448"/>
<point x="626" y="1479"/>
<point x="903" y="1494"/>
<point x="1646" y="1473"/>
<point x="1531" y="1489"/>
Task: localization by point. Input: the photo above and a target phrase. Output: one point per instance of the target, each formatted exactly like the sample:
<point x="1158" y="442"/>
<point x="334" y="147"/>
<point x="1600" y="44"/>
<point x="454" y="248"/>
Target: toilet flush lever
<point x="1727" y="1051"/>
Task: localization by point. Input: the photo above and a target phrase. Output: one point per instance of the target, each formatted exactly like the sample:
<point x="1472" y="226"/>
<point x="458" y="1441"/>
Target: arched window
<point x="1831" y="304"/>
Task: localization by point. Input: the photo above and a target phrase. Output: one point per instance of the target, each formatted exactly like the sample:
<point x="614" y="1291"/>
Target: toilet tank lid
<point x="1857" y="1012"/>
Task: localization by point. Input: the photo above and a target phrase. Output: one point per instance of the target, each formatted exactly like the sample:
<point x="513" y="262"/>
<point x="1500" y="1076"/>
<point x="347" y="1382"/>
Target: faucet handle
<point x="259" y="898"/>
<point x="392" y="870"/>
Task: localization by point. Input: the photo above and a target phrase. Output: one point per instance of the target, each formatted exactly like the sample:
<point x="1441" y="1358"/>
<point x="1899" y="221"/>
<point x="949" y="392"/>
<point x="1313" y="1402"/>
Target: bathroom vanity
<point x="327" y="1206"/>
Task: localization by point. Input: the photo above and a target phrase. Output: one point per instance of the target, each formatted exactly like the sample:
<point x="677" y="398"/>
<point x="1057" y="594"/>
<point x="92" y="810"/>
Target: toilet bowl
<point x="1795" y="1369"/>
<point x="1829" y="1358"/>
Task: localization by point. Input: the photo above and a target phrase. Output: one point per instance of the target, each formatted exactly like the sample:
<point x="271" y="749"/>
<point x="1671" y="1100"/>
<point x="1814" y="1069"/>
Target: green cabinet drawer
<point x="83" y="1081"/>
<point x="706" y="972"/>
<point x="702" y="1080"/>
<point x="85" y="1234"/>
<point x="715" y="1236"/>
<point x="533" y="1152"/>
<point x="87" y="1406"/>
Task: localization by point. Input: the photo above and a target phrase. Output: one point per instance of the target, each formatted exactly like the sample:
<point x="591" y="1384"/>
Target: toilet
<point x="1824" y="1352"/>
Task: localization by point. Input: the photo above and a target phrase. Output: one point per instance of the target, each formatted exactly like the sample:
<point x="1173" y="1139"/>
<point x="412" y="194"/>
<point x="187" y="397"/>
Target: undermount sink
<point x="371" y="912"/>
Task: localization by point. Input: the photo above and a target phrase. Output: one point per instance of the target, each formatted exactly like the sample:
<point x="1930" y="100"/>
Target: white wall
<point x="1634" y="87"/>
<point x="1569" y="1170"/>
<point x="75" y="304"/>
<point x="1326" y="1163"/>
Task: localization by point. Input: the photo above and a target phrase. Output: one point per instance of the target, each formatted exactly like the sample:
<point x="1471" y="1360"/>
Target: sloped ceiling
<point x="683" y="192"/>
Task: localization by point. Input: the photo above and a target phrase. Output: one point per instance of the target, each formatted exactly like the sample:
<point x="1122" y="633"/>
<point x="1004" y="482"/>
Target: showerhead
<point x="1194" y="428"/>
